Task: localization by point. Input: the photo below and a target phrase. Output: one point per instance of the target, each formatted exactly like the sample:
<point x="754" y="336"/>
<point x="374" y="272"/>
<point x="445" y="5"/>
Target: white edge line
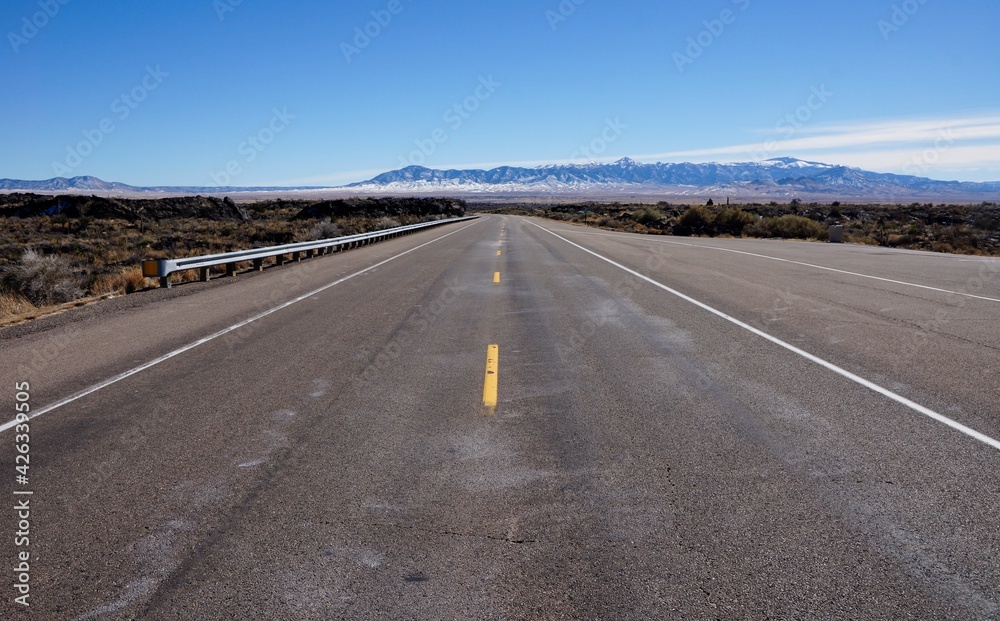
<point x="177" y="352"/>
<point x="985" y="439"/>
<point x="812" y="265"/>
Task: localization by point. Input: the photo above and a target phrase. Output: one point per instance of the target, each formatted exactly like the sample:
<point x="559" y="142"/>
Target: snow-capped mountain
<point x="781" y="178"/>
<point x="778" y="177"/>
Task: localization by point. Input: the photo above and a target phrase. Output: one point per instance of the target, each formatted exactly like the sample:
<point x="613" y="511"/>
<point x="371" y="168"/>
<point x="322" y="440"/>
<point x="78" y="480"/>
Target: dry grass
<point x="35" y="312"/>
<point x="15" y="304"/>
<point x="125" y="280"/>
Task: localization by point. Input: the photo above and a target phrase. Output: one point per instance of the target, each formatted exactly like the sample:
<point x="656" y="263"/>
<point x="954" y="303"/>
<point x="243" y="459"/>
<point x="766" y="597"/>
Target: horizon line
<point x="370" y="174"/>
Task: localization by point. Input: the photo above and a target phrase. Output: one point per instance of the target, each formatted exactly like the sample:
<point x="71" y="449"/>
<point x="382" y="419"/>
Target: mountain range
<point x="779" y="178"/>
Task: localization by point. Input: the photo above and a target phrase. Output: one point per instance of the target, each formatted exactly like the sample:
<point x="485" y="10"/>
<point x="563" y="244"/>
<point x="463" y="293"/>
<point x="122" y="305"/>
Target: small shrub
<point x="789" y="227"/>
<point x="649" y="216"/>
<point x="695" y="221"/>
<point x="386" y="223"/>
<point x="323" y="230"/>
<point x="733" y="221"/>
<point x="44" y="280"/>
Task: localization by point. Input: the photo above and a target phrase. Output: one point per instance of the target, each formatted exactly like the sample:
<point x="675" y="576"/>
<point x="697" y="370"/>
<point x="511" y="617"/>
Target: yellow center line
<point x="492" y="370"/>
<point x="498" y="252"/>
<point x="496" y="278"/>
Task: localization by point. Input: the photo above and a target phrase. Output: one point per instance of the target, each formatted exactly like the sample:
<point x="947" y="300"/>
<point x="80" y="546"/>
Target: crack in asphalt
<point x="442" y="533"/>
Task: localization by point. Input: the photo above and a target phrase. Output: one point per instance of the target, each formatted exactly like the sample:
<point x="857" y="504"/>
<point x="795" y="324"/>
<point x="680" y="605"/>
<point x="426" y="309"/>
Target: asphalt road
<point x="683" y="429"/>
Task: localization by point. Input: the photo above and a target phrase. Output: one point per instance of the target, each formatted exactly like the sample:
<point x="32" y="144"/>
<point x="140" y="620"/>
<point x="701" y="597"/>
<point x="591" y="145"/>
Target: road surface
<point x="682" y="429"/>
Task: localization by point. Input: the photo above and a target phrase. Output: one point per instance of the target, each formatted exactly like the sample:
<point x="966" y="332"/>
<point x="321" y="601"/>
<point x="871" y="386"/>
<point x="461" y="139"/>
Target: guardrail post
<point x="204" y="274"/>
<point x="258" y="265"/>
<point x="230" y="270"/>
<point x="165" y="282"/>
<point x="279" y="259"/>
<point x="297" y="257"/>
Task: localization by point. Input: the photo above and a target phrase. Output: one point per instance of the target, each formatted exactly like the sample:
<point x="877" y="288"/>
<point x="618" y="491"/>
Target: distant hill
<point x="83" y="185"/>
<point x="62" y="184"/>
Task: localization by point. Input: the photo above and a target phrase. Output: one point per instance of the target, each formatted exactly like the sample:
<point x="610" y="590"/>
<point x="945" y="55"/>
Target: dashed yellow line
<point x="496" y="278"/>
<point x="498" y="252"/>
<point x="490" y="385"/>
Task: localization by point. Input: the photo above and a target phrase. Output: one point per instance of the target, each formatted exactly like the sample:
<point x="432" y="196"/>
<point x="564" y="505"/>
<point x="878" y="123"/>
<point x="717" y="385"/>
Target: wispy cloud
<point x="966" y="147"/>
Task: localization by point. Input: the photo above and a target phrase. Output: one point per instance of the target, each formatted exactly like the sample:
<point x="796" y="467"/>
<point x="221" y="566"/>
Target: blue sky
<point x="255" y="92"/>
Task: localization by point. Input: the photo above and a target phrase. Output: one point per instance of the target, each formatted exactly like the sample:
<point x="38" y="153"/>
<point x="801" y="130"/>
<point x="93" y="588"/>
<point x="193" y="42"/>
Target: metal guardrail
<point x="163" y="268"/>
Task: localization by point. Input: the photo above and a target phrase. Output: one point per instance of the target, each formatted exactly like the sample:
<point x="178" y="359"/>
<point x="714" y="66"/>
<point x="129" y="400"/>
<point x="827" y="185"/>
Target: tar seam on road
<point x="812" y="265"/>
<point x="223" y="332"/>
<point x="972" y="433"/>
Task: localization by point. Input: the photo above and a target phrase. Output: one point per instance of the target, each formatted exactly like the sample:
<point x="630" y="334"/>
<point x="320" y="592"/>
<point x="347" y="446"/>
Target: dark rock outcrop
<point x="378" y="207"/>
